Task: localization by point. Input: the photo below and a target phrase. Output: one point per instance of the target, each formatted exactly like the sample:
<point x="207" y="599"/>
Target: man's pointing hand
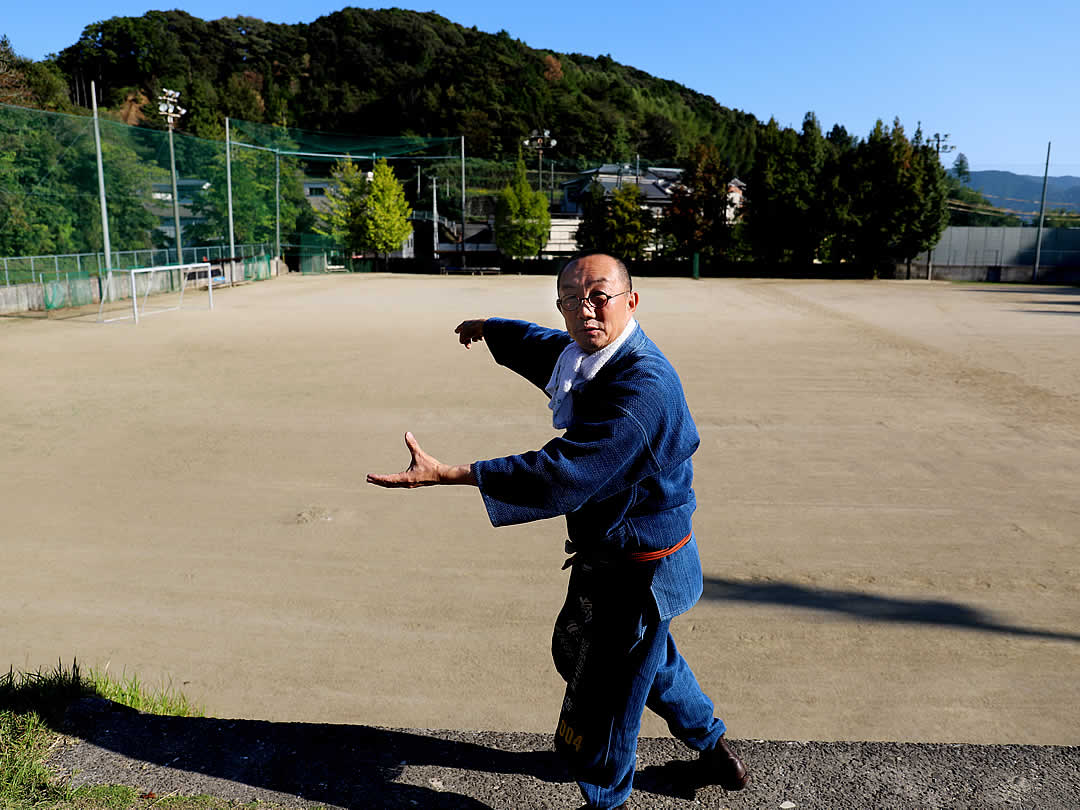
<point x="423" y="471"/>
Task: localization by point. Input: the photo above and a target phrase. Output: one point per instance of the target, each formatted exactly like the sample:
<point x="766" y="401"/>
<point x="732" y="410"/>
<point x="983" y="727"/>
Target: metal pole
<point x="175" y="200"/>
<point x="228" y="187"/>
<point x="463" y="202"/>
<point x="1042" y="209"/>
<point x="435" y="217"/>
<point x="101" y="182"/>
<point x="277" y="204"/>
<point x="134" y="299"/>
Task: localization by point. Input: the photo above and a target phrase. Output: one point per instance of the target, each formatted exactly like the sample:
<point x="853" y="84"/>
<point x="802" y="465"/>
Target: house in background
<point x="735" y="190"/>
<point x="654" y="182"/>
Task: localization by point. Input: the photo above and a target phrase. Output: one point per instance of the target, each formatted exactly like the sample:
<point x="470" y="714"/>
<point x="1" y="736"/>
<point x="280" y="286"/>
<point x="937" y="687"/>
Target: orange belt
<point x="632" y="556"/>
<point x="649" y="556"/>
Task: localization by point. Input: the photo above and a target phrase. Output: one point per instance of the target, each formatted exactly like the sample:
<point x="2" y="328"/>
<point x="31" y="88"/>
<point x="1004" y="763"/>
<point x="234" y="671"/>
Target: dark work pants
<point x="617" y="657"/>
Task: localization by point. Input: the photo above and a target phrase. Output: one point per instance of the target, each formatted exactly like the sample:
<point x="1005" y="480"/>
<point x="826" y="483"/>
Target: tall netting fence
<point x="307" y="167"/>
<point x="452" y="196"/>
<point x="52" y="236"/>
<point x="259" y="191"/>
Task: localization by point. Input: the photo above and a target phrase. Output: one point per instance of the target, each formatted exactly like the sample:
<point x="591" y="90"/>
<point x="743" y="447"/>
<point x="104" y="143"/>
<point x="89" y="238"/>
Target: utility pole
<point x="1042" y="211"/>
<point x="941" y="144"/>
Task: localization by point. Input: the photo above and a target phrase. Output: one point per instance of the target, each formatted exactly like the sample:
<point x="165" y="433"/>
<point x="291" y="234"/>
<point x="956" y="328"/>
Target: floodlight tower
<point x="170" y="109"/>
<point x="540" y="141"/>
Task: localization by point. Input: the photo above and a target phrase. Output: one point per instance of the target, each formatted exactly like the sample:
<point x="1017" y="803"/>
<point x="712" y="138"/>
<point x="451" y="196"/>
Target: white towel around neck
<point x="573" y="369"/>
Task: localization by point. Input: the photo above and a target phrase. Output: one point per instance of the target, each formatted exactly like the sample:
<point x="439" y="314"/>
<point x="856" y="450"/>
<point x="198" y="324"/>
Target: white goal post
<point x="155" y="289"/>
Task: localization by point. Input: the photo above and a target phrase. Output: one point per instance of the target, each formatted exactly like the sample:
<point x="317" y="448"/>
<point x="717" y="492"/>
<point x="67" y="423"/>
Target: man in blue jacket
<point x="622" y="476"/>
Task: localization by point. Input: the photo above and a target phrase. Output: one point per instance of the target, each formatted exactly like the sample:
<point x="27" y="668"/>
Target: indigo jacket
<point x="621" y="474"/>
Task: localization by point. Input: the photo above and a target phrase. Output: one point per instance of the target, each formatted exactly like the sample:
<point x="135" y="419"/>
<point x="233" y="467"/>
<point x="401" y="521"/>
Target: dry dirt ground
<point x="888" y="486"/>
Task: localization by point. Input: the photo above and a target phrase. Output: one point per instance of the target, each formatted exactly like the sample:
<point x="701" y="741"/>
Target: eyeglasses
<point x="597" y="300"/>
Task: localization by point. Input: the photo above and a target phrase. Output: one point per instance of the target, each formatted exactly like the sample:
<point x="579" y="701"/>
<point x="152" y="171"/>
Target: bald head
<point x="623" y="273"/>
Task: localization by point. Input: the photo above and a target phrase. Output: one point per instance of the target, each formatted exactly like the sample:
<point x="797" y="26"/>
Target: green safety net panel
<point x="257" y="268"/>
<point x="70" y="290"/>
<point x="49" y="193"/>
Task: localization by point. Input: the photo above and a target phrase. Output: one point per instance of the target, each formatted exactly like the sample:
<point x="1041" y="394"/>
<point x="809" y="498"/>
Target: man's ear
<point x="632" y="300"/>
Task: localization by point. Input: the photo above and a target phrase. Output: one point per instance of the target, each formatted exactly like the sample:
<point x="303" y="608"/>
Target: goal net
<point x="152" y="290"/>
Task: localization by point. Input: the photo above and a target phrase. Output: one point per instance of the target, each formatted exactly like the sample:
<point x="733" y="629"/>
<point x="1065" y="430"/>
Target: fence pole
<point x="462" y="204"/>
<point x="101" y="182"/>
<point x="277" y="203"/>
<point x="228" y="185"/>
<point x="1042" y="208"/>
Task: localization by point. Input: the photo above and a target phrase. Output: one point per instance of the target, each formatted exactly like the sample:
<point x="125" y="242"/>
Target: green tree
<point x="900" y="197"/>
<point x="775" y="195"/>
<point x="961" y="169"/>
<point x="618" y="223"/>
<point x="697" y="221"/>
<point x="522" y="220"/>
<point x="386" y="212"/>
<point x="345" y="212"/>
<point x="835" y="197"/>
<point x="926" y="187"/>
<point x="254" y="206"/>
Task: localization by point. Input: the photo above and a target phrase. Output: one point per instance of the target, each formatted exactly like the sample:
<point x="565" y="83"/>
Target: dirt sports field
<point x="888" y="487"/>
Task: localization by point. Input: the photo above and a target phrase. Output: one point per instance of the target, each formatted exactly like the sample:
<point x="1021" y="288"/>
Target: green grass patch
<point x="32" y="706"/>
<point x="129" y="691"/>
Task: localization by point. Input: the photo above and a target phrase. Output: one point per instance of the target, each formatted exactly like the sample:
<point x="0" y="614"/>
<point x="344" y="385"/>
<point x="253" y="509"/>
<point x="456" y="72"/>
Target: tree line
<point x="809" y="198"/>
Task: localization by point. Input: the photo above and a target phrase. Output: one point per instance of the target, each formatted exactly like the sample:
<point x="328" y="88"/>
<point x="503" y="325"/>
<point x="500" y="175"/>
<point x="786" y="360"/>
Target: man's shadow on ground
<point x="872" y="607"/>
<point x="321" y="764"/>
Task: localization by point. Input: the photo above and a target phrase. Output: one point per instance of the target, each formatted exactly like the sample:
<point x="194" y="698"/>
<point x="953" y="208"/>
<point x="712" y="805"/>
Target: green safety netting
<point x="50" y="214"/>
<point x="70" y="290"/>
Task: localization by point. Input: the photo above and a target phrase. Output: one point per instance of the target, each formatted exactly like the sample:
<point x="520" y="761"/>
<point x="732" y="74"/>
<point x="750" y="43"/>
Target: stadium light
<point x="170" y="109"/>
<point x="540" y="141"/>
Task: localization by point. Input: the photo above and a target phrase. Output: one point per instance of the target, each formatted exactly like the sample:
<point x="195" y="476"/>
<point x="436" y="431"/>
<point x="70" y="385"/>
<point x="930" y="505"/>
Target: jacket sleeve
<point x="604" y="453"/>
<point x="525" y="348"/>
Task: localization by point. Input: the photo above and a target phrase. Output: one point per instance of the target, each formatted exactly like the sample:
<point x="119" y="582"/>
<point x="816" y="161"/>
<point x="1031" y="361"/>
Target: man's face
<point x="593" y="329"/>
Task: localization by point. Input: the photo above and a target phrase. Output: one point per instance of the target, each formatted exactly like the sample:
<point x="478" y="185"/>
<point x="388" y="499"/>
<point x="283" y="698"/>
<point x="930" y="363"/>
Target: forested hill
<point x="1023" y="192"/>
<point x="383" y="72"/>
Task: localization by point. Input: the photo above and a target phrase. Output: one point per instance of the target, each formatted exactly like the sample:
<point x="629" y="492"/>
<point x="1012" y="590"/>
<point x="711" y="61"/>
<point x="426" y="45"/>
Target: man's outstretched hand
<point x="423" y="471"/>
<point x="470" y="332"/>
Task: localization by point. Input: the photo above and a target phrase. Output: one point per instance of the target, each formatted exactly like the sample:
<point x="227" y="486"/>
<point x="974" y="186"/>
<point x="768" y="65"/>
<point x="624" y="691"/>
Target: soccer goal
<point x="156" y="289"/>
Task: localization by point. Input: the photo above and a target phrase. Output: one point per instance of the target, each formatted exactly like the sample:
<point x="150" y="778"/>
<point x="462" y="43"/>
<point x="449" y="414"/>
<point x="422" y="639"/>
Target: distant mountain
<point x="1021" y="192"/>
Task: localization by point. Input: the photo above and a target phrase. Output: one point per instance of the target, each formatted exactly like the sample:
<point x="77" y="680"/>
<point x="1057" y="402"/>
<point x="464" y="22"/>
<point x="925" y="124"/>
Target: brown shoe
<point x="721" y="766"/>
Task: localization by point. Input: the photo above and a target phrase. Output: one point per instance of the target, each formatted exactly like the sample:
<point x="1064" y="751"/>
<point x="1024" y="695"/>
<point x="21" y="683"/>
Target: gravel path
<point x="300" y="765"/>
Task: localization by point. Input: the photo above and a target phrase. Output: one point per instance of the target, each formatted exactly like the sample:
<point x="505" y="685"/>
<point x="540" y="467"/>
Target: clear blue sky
<point x="1000" y="78"/>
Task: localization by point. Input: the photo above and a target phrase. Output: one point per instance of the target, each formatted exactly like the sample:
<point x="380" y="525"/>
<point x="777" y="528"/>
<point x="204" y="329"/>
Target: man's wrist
<point x="455" y="474"/>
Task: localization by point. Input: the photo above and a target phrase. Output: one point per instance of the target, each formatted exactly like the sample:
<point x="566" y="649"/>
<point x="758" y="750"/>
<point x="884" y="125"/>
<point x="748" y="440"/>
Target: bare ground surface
<point x="888" y="487"/>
